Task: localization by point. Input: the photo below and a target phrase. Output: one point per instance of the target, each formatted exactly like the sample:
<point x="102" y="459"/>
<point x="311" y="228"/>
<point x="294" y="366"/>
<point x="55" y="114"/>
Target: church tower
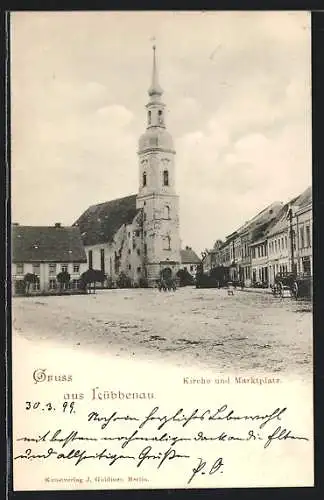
<point x="157" y="195"/>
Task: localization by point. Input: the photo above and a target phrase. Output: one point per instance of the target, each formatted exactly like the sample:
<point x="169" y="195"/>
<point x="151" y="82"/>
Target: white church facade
<point x="139" y="235"/>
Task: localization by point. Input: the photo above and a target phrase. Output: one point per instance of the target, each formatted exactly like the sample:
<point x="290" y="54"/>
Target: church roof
<point x="155" y="138"/>
<point x="99" y="223"/>
<point x="47" y="244"/>
<point x="155" y="88"/>
<point x="188" y="256"/>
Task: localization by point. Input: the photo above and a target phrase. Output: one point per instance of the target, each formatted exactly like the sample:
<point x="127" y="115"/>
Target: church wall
<point x="124" y="254"/>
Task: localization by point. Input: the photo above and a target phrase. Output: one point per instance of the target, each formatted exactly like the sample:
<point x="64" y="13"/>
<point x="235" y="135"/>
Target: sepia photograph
<point x="162" y="271"/>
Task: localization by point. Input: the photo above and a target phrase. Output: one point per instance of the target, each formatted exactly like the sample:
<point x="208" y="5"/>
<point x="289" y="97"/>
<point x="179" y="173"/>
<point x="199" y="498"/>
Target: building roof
<point x="188" y="256"/>
<point x="304" y="199"/>
<point x="99" y="223"/>
<point x="280" y="223"/>
<point x="47" y="244"/>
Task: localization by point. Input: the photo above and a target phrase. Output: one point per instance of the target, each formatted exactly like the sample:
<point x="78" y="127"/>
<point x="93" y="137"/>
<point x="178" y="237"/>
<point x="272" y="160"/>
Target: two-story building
<point x="190" y="260"/>
<point x="45" y="252"/>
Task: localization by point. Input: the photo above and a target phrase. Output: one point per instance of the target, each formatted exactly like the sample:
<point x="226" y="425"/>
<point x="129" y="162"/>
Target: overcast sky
<point x="238" y="95"/>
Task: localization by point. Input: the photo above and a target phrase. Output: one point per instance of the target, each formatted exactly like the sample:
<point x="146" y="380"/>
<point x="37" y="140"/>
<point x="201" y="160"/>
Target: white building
<point x="45" y="252"/>
<point x="138" y="235"/>
<point x="190" y="260"/>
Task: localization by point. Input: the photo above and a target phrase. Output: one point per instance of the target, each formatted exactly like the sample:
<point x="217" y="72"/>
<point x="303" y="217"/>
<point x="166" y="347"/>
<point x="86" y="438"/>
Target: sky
<point x="237" y="86"/>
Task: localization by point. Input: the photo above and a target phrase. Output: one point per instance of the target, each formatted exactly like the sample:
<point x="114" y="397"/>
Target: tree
<point x="92" y="276"/>
<point x="30" y="279"/>
<point x="64" y="279"/>
<point x="185" y="277"/>
<point x="123" y="281"/>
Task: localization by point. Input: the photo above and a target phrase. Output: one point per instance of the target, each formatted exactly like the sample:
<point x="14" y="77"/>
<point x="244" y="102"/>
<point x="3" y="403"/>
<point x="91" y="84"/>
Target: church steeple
<point x="157" y="198"/>
<point x="155" y="88"/>
<point x="155" y="107"/>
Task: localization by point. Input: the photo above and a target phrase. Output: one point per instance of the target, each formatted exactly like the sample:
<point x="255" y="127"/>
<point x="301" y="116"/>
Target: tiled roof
<point x="188" y="256"/>
<point x="305" y="198"/>
<point x="47" y="244"/>
<point x="258" y="224"/>
<point x="280" y="223"/>
<point x="100" y="222"/>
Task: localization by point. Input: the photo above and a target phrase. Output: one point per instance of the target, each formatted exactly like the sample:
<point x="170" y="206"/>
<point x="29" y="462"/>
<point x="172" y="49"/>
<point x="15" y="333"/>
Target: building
<point x="278" y="241"/>
<point x="190" y="260"/>
<point x="45" y="252"/>
<point x="290" y="238"/>
<point x="243" y="250"/>
<point x="139" y="235"/>
<point x="304" y="224"/>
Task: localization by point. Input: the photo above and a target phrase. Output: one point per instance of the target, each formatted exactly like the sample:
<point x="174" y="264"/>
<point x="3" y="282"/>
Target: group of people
<point x="166" y="285"/>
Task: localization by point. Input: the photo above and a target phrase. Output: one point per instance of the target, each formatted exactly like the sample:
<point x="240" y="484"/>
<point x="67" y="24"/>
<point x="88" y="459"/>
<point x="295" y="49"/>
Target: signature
<point x="202" y="468"/>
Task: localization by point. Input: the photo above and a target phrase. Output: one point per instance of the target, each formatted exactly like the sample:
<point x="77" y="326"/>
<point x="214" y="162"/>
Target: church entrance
<point x="166" y="273"/>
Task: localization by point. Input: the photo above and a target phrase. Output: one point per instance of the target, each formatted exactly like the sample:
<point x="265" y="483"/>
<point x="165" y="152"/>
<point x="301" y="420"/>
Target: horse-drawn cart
<point x="293" y="285"/>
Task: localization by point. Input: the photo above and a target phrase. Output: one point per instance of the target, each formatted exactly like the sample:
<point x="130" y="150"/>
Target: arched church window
<point x="165" y="178"/>
<point x="167" y="242"/>
<point x="160" y="116"/>
<point x="149" y="117"/>
<point x="166" y="212"/>
<point x="144" y="179"/>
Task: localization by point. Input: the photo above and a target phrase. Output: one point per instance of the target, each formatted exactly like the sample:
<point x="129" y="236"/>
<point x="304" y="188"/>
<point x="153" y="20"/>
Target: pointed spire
<point x="155" y="88"/>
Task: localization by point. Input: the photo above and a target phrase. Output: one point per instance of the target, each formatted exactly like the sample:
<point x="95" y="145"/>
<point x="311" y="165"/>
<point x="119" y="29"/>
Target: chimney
<point x="58" y="224"/>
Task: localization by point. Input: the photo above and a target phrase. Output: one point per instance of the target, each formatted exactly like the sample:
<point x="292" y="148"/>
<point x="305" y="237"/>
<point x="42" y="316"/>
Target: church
<point x="139" y="235"/>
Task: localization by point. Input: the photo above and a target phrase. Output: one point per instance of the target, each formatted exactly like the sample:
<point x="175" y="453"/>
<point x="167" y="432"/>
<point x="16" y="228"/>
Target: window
<point x="137" y="233"/>
<point x="302" y="237"/>
<point x="134" y="245"/>
<point x="129" y="251"/>
<point x="165" y="178"/>
<point x="144" y="233"/>
<point x="19" y="268"/>
<point x="149" y="117"/>
<point x="306" y="265"/>
<point x="128" y="234"/>
<point x="286" y="242"/>
<point x="75" y="284"/>
<point x="279" y="244"/>
<point x="144" y="215"/>
<point x="64" y="268"/>
<point x="102" y="259"/>
<point x="138" y="252"/>
<point x="90" y="259"/>
<point x="160" y="116"/>
<point x="191" y="268"/>
<point x="36" y="286"/>
<point x="52" y="269"/>
<point x="138" y="269"/>
<point x="36" y="269"/>
<point x="76" y="268"/>
<point x="308" y="237"/>
<point x="52" y="284"/>
<point x="166" y="212"/>
<point x="145" y="248"/>
<point x="129" y="267"/>
<point x="144" y="179"/>
<point x="167" y="242"/>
